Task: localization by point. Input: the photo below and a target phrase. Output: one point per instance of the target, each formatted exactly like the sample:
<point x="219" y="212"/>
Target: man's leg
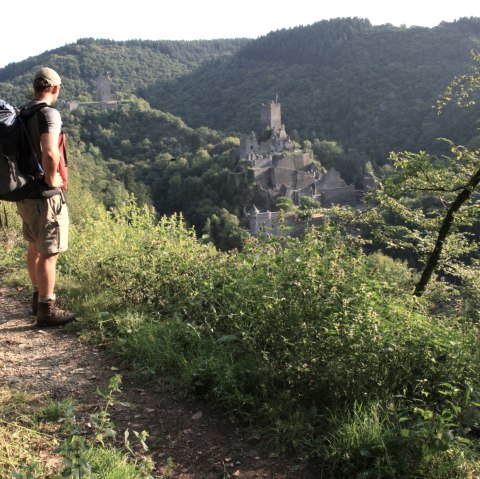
<point x="42" y="270"/>
<point x="32" y="261"/>
<point x="46" y="273"/>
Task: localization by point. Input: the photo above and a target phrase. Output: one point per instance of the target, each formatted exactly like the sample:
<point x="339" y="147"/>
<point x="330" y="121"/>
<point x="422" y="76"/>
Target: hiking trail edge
<point x="54" y="363"/>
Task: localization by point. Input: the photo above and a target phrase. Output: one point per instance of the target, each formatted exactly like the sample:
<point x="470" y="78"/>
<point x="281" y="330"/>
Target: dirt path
<point x="201" y="445"/>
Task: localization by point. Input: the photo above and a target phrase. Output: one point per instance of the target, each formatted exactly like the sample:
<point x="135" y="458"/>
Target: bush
<point x="301" y="340"/>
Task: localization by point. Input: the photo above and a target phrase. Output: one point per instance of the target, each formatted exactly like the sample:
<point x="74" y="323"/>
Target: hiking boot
<point x="34" y="303"/>
<point x="49" y="314"/>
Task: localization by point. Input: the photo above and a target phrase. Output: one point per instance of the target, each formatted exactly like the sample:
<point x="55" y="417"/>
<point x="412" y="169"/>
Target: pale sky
<point x="30" y="28"/>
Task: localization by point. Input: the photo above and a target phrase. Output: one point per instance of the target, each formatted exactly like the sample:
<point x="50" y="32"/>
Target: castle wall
<point x="295" y="161"/>
<point x="279" y="169"/>
<point x="263" y="178"/>
<point x="263" y="162"/>
<point x="248" y="145"/>
<point x="332" y="179"/>
<point x="339" y="196"/>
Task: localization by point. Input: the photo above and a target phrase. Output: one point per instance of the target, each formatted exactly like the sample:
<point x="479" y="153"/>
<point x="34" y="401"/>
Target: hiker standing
<point x="45" y="213"/>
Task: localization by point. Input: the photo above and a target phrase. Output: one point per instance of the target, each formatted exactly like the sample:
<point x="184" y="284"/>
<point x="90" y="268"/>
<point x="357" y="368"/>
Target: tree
<point x="225" y="230"/>
<point x="308" y="203"/>
<point x="443" y="230"/>
<point x="284" y="203"/>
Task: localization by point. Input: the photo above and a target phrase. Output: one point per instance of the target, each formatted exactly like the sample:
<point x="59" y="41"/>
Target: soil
<point x="190" y="435"/>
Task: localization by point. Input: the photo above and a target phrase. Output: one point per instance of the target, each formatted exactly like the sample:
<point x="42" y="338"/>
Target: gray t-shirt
<point x="49" y="119"/>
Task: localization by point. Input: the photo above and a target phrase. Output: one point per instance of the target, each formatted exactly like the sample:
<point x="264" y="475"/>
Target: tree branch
<point x="447" y="223"/>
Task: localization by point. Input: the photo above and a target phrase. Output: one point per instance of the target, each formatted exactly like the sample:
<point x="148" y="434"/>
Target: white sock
<point x="46" y="299"/>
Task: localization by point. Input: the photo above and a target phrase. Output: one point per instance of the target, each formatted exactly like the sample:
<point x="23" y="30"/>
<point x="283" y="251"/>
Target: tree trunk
<point x="447" y="222"/>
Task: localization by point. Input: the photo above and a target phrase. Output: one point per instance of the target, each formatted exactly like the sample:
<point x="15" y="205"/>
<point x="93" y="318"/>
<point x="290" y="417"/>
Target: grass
<point x="22" y="439"/>
<point x="38" y="440"/>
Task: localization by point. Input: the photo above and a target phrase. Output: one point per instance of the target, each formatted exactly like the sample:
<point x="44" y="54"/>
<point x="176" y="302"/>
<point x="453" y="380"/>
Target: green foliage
<point x="284" y="203"/>
<point x="163" y="163"/>
<point x="464" y="88"/>
<point x="225" y="231"/>
<point x="309" y="203"/>
<point x="395" y="440"/>
<point x="133" y="65"/>
<point x="368" y="88"/>
<point x="350" y="163"/>
<point x="316" y="345"/>
<point x="10" y="238"/>
<point x="376" y="96"/>
<point x="278" y="333"/>
<point x="420" y="200"/>
<point x="53" y="411"/>
<point x="91" y="455"/>
<point x="377" y="83"/>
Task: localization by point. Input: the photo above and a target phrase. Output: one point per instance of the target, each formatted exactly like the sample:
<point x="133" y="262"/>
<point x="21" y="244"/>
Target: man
<point x="45" y="214"/>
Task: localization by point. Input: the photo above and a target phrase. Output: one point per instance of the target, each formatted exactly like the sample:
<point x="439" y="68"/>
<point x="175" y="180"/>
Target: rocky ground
<point x="194" y="439"/>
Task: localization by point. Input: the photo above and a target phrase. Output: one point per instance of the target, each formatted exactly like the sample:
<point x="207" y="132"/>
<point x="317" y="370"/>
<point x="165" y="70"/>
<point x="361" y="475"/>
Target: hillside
<point x="39" y="363"/>
<point x="355" y="91"/>
<point x="131" y="64"/>
<point x="369" y="88"/>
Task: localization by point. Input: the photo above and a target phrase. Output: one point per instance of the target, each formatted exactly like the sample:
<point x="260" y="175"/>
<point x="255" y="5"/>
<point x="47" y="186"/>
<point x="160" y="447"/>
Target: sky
<point x="37" y="27"/>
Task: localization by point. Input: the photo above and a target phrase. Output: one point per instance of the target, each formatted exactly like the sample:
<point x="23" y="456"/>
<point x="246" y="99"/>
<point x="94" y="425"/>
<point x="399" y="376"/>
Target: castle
<point x="280" y="168"/>
<point x="104" y="97"/>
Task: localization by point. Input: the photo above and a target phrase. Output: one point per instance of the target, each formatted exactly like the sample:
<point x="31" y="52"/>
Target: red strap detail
<point x="63" y="164"/>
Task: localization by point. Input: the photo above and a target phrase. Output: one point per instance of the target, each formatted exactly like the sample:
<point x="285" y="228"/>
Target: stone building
<point x="104" y="97"/>
<point x="280" y="168"/>
<point x="104" y="88"/>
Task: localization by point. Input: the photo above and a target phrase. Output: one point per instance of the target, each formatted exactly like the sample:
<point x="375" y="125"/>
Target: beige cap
<point x="47" y="76"/>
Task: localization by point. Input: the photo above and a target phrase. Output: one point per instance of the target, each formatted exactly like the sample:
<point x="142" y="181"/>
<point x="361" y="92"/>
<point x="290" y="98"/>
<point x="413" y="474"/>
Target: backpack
<point x="19" y="164"/>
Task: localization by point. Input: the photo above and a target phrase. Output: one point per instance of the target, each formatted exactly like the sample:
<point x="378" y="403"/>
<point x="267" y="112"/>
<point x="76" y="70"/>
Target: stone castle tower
<point x="104" y="91"/>
<point x="271" y="116"/>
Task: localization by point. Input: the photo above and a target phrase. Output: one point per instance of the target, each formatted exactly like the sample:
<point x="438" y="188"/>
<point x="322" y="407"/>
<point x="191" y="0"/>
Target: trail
<point x="200" y="443"/>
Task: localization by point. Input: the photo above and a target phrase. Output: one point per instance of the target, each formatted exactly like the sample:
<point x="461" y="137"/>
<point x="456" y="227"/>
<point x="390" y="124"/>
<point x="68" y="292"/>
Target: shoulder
<point x="49" y="120"/>
<point x="50" y="113"/>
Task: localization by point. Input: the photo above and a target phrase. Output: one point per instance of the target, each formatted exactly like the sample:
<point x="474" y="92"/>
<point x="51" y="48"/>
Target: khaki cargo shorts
<point x="45" y="223"/>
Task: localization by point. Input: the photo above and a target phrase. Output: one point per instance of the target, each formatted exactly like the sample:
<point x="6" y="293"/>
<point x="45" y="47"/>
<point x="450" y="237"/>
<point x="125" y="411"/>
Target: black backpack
<point x="19" y="164"/>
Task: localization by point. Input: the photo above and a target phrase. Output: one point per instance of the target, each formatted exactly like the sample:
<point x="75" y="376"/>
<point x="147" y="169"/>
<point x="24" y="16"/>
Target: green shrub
<point x="282" y="333"/>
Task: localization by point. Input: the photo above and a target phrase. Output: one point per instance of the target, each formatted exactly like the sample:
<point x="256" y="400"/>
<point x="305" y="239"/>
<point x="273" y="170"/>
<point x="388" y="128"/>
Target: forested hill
<point x="131" y="65"/>
<point x="367" y="87"/>
<point x="355" y="90"/>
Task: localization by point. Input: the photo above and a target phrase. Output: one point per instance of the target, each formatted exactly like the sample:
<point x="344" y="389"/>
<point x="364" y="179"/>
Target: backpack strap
<point x="33" y="134"/>
<point x="31" y="131"/>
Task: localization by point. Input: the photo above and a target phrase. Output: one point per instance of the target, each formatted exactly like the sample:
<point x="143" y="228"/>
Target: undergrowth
<point x="42" y="439"/>
<point x="313" y="345"/>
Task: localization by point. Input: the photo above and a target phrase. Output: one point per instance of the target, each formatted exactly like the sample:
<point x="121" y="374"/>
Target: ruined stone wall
<point x="296" y="161"/>
<point x="332" y="179"/>
<point x="339" y="196"/>
<point x="263" y="178"/>
<point x="262" y="162"/>
<point x="279" y="168"/>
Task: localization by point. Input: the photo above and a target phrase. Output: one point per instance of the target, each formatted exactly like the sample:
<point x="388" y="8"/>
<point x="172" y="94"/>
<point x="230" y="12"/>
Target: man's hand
<point x="55" y="182"/>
